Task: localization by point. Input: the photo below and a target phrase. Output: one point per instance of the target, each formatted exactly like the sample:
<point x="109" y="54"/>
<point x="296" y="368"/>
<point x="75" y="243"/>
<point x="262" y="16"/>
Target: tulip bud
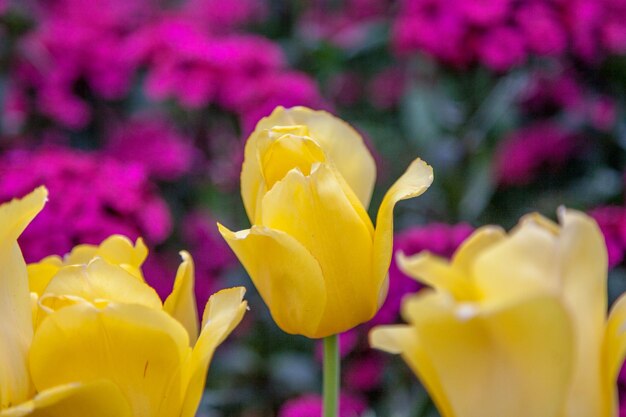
<point x="312" y="251"/>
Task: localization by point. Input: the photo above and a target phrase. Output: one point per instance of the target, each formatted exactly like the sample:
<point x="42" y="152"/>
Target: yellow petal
<point x="513" y="362"/>
<point x="100" y="398"/>
<point x="286" y="275"/>
<point x="416" y="180"/>
<point x="98" y="282"/>
<point x="18" y="213"/>
<point x="289" y="152"/>
<point x="222" y="313"/>
<point x="522" y="264"/>
<point x="116" y="249"/>
<point x="181" y="303"/>
<point x="583" y="261"/>
<point x="473" y="246"/>
<point x="614" y="351"/>
<point x="40" y="273"/>
<point x="316" y="212"/>
<point x="436" y="272"/>
<point x="403" y="339"/>
<point x="15" y="301"/>
<point x="140" y="350"/>
<point x="340" y="142"/>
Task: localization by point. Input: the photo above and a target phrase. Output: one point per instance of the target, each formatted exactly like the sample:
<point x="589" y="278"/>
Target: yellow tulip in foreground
<point x="312" y="250"/>
<point x="86" y="336"/>
<point x="515" y="325"/>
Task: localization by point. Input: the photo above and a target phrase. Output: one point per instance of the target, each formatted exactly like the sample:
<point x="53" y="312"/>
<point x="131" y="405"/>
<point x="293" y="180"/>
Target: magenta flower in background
<point x="310" y="405"/>
<point x="149" y="140"/>
<point x="485" y="12"/>
<point x="210" y="253"/>
<point x="558" y="89"/>
<point x="345" y="24"/>
<point x="612" y="223"/>
<point x="224" y="17"/>
<point x="73" y="41"/>
<point x="503" y="34"/>
<point x="541" y="29"/>
<point x="385" y="90"/>
<point x="91" y="197"/>
<point x="364" y="373"/>
<point x="434" y="26"/>
<point x="440" y="239"/>
<point x="501" y="47"/>
<point x="522" y="155"/>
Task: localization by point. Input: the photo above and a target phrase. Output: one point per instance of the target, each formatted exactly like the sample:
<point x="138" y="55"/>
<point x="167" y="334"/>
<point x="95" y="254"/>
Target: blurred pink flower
<point x="151" y="141"/>
<point x="485" y="12"/>
<point x="210" y="253"/>
<point x="386" y="88"/>
<point x="434" y="26"/>
<point x="542" y="29"/>
<point x="91" y="197"/>
<point x="521" y="156"/>
<point x="345" y="88"/>
<point x="500" y="48"/>
<point x="550" y="90"/>
<point x="603" y="113"/>
<point x="223" y="17"/>
<point x="76" y="41"/>
<point x="310" y="405"/>
<point x="612" y="223"/>
<point x="364" y="373"/>
<point x="584" y="17"/>
<point x="614" y="34"/>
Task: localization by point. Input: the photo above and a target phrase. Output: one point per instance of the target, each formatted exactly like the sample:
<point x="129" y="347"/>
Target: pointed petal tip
<point x="382" y="338"/>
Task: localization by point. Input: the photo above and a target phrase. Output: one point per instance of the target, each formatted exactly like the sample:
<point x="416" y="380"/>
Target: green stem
<point x="331" y="376"/>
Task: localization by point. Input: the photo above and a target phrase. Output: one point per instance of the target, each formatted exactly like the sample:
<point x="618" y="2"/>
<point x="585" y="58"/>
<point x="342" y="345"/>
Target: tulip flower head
<point x="312" y="251"/>
<point x="85" y="335"/>
<point x="515" y="325"/>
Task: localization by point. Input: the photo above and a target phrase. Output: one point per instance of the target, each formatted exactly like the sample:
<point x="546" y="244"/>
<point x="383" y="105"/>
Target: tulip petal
<point x="116" y="249"/>
<point x="473" y="246"/>
<point x="181" y="303"/>
<point x="615" y="342"/>
<point x="514" y="361"/>
<point x="416" y="180"/>
<point x="317" y="213"/>
<point x="140" y="350"/>
<point x="99" y="398"/>
<point x="340" y="142"/>
<point x="614" y="352"/>
<point x="515" y="267"/>
<point x="40" y="273"/>
<point x="99" y="281"/>
<point x="288" y="278"/>
<point x="16" y="325"/>
<point x="583" y="261"/>
<point x="435" y="272"/>
<point x="403" y="339"/>
<point x="222" y="313"/>
<point x="289" y="152"/>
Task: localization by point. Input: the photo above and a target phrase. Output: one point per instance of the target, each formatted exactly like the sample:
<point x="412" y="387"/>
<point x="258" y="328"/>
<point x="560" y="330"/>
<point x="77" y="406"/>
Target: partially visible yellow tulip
<point x="102" y="343"/>
<point x="515" y="325"/>
<point x="312" y="250"/>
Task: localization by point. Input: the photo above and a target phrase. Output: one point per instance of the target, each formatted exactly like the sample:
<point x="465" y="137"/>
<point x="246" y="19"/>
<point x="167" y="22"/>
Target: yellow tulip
<point x="515" y="325"/>
<point x="312" y="250"/>
<point x="101" y="342"/>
